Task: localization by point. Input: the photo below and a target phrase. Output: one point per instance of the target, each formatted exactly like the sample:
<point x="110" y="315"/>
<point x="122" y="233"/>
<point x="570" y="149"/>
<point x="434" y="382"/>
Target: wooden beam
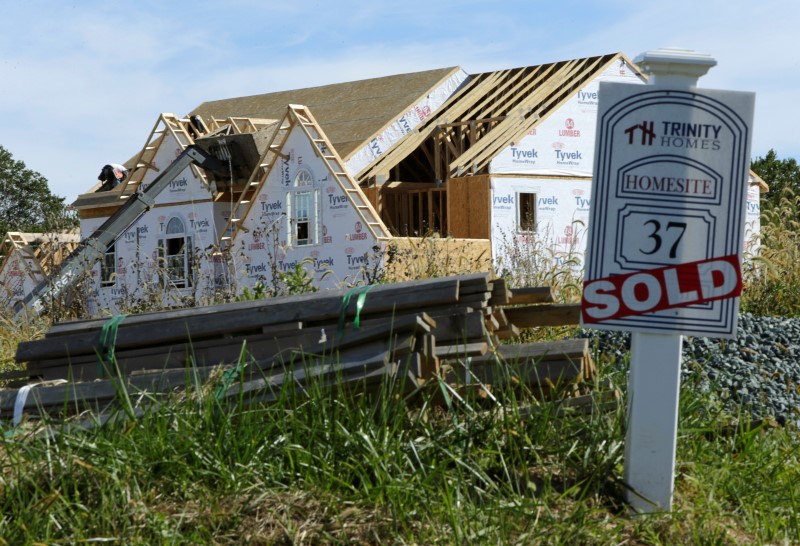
<point x="537" y="294"/>
<point x="544" y="315"/>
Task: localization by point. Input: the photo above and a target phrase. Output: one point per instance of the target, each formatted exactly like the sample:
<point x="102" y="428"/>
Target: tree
<point x="26" y="203"/>
<point x="779" y="174"/>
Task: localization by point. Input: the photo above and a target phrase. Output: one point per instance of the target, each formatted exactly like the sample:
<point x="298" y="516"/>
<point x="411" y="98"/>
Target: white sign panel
<point x="667" y="222"/>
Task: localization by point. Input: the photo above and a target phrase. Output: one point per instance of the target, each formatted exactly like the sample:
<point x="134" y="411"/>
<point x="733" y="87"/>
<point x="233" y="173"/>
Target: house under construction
<point x="335" y="179"/>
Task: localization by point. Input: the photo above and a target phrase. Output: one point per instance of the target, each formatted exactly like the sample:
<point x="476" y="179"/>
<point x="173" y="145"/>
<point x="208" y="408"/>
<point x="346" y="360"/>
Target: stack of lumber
<point x="406" y="330"/>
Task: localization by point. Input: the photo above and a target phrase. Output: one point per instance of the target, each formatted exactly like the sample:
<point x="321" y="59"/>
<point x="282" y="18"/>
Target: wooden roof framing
<point x="45" y="250"/>
<point x="488" y="112"/>
<point x="515" y="100"/>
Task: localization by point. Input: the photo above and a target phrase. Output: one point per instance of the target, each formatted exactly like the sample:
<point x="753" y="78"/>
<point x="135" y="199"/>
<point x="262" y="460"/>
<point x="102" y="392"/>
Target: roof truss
<point x="498" y="108"/>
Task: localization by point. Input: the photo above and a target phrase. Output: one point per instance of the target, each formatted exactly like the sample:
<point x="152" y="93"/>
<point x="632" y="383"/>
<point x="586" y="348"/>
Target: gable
<point x="186" y="187"/>
<point x="305" y="211"/>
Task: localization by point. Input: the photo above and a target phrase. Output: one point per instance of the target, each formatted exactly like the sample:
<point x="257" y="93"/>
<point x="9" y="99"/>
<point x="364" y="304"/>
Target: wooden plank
<point x="499" y="315"/>
<point x="501" y="294"/>
<point x="461" y="328"/>
<point x="99" y="391"/>
<point x="480" y="279"/>
<point x="547" y="373"/>
<point x="480" y="300"/>
<point x="462" y="350"/>
<point x="492" y="324"/>
<point x="545" y="363"/>
<point x="269" y="389"/>
<point x="548" y="350"/>
<point x="602" y="402"/>
<point x="300" y="308"/>
<point x="80" y="395"/>
<point x="228" y="350"/>
<point x="544" y="315"/>
<point x="509" y="331"/>
<point x="16" y="374"/>
<point x="534" y="294"/>
<point x="328" y="298"/>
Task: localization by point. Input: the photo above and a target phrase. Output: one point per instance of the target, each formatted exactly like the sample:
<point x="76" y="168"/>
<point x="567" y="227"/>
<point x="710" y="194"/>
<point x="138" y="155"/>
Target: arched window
<point x="303" y="203"/>
<point x="175" y="255"/>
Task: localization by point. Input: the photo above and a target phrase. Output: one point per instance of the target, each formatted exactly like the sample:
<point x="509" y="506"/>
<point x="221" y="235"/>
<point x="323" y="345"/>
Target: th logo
<point x="648" y="134"/>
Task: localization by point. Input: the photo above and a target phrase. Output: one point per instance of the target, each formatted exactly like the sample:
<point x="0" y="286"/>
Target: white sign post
<point x="666" y="232"/>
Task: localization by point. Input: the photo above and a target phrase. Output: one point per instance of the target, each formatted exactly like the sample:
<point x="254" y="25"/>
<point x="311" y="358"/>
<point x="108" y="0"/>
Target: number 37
<point x="673" y="229"/>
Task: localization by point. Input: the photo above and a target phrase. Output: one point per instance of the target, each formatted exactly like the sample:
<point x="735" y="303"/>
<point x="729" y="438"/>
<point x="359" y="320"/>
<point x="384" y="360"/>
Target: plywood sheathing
<point x="351" y="113"/>
<point x="469" y="204"/>
<point x="491" y="111"/>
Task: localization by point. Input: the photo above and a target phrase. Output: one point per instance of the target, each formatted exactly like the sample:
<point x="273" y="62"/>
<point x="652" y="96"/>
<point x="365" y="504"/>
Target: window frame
<point x="175" y="254"/>
<point x="303" y="230"/>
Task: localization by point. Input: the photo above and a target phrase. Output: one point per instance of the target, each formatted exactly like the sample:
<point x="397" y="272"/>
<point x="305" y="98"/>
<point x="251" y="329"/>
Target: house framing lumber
<point x="513" y="101"/>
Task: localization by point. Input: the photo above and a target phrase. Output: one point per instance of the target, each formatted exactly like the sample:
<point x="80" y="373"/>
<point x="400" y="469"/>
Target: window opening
<point x="108" y="267"/>
<point x="526" y="212"/>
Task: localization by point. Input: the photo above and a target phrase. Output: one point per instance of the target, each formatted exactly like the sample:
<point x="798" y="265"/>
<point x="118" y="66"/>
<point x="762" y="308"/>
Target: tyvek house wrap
<point x="562" y="146"/>
<point x="563" y="143"/>
<point x="17" y="279"/>
<point x="183" y="211"/>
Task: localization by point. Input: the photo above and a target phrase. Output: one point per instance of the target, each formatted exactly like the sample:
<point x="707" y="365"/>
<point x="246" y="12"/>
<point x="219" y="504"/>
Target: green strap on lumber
<point x="108" y="342"/>
<point x="227" y="378"/>
<point x="362" y="296"/>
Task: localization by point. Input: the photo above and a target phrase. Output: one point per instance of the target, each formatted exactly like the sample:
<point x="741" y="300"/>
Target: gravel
<point x="758" y="372"/>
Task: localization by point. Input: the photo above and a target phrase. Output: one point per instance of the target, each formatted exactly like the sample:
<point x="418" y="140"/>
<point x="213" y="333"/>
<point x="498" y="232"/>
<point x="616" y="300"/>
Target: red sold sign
<point x="662" y="288"/>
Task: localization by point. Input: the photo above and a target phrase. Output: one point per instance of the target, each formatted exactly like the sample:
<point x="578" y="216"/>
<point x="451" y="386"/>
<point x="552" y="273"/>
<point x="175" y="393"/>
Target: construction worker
<point x="112" y="175"/>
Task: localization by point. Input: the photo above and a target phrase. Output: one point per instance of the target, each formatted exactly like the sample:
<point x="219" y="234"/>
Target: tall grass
<point x="317" y="466"/>
<point x="435" y="466"/>
<point x="540" y="259"/>
<point x="12" y="333"/>
<point x="772" y="275"/>
<point x="445" y="464"/>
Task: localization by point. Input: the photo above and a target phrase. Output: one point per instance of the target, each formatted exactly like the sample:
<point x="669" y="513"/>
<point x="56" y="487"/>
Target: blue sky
<point x="83" y="82"/>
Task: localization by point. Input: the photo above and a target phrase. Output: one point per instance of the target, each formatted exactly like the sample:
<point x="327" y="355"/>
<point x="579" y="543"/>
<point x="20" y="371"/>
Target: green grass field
<point x="437" y="466"/>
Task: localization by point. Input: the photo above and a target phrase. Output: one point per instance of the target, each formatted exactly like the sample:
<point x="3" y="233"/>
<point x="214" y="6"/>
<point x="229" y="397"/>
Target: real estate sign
<point x="667" y="223"/>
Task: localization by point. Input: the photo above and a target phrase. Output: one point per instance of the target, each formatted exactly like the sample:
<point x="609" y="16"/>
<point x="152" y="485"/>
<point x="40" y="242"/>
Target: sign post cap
<point x="675" y="66"/>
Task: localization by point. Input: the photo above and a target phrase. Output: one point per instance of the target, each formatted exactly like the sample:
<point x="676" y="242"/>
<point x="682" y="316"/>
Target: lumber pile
<point x="411" y="331"/>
